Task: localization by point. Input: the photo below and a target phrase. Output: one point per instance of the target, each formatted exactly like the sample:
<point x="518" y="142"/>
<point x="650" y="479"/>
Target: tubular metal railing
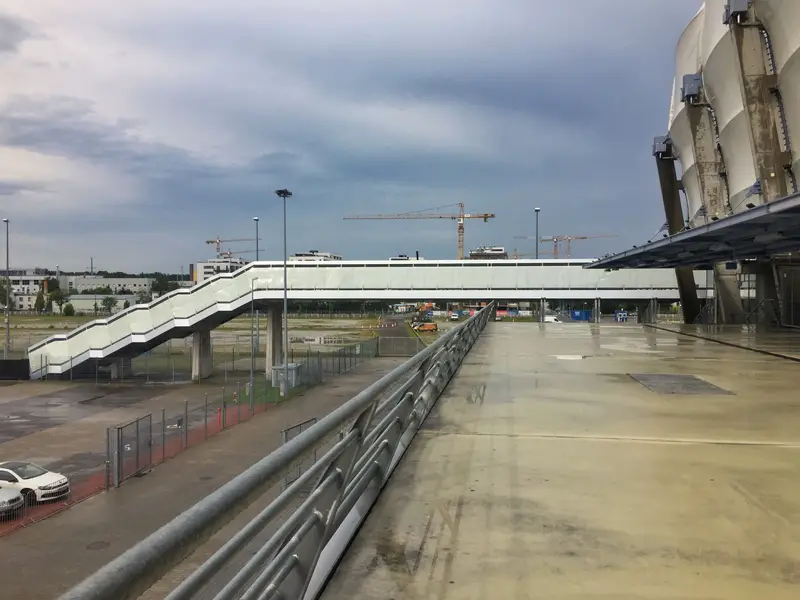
<point x="365" y="437"/>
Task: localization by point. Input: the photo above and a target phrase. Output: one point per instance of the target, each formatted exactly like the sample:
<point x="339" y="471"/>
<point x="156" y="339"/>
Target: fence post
<point x="238" y="401"/>
<point x="185" y="423"/>
<point x="138" y="444"/>
<point x="108" y="458"/>
<point x="163" y="434"/>
<point x="118" y="459"/>
<point x="150" y="439"/>
<point x="224" y="407"/>
<point x="205" y="417"/>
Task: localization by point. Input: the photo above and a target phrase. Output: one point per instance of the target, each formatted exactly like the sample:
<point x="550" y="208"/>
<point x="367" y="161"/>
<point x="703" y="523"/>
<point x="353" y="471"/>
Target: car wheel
<point x="29" y="496"/>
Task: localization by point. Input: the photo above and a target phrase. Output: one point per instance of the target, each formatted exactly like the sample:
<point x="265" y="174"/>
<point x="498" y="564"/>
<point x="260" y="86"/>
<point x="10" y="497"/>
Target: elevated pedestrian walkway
<point x="197" y="310"/>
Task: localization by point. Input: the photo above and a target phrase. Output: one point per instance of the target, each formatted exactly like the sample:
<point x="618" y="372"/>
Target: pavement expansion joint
<point x="614" y="438"/>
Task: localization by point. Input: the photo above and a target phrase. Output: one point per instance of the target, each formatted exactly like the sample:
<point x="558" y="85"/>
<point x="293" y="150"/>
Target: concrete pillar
<point x="202" y="363"/>
<point x="596" y="312"/>
<point x="542" y="309"/>
<point x="274" y="351"/>
<point x="714" y="198"/>
<point x="756" y="84"/>
<point x="670" y="195"/>
<point x="771" y="160"/>
<point x="121" y="368"/>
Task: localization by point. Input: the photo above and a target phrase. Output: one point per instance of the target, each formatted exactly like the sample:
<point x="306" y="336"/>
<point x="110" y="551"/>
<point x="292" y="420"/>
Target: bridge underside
<point x="546" y="466"/>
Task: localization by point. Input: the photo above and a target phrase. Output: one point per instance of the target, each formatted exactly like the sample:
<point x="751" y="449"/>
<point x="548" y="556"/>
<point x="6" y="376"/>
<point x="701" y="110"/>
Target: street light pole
<point x="284" y="194"/>
<point x="257" y="348"/>
<point x="8" y="297"/>
<point x="252" y="354"/>
<point x="537" y="211"/>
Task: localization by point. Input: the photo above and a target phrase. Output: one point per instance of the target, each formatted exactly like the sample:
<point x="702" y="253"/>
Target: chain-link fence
<point x="303" y="465"/>
<point x="231" y="358"/>
<point x="137" y="445"/>
<point x="130" y="449"/>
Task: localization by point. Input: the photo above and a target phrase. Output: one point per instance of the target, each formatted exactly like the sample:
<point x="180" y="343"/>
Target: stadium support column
<point x="758" y="86"/>
<point x="202" y="363"/>
<point x="711" y="175"/>
<point x="274" y="356"/>
<point x="670" y="195"/>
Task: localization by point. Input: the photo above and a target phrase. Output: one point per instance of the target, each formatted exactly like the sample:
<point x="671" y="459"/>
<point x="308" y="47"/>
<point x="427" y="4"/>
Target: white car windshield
<point x="25" y="470"/>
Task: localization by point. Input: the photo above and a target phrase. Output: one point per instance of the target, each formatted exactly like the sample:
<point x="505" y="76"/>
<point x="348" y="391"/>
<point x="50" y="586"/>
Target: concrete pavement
<point x="761" y="338"/>
<point x="71" y="545"/>
<point x="547" y="471"/>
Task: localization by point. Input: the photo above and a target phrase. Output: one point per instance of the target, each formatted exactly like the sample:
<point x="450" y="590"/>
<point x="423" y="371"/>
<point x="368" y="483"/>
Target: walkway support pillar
<point x="542" y="309"/>
<point x="202" y="363"/>
<point x="121" y="368"/>
<point x="274" y="351"/>
<point x="670" y="195"/>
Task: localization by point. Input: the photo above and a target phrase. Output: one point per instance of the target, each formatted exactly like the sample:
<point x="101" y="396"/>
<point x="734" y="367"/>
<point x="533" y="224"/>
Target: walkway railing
<point x="365" y="437"/>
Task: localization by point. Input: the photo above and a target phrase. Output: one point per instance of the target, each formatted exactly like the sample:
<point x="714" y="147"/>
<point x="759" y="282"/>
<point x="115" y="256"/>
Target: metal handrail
<point x="297" y="560"/>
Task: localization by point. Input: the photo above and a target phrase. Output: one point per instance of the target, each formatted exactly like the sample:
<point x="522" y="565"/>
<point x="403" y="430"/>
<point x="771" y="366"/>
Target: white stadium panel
<point x="782" y="20"/>
<point x="687" y="61"/>
<point x="721" y="83"/>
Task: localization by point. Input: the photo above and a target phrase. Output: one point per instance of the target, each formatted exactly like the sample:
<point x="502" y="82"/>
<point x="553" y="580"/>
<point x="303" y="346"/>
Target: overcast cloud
<point x="133" y="132"/>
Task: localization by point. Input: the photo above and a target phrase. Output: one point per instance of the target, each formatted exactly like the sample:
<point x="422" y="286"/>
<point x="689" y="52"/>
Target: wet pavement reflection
<point x="547" y="471"/>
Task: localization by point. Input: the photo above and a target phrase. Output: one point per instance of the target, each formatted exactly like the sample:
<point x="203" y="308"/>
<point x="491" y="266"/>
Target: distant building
<point x="201" y="271"/>
<point x="315" y="256"/>
<point x="27" y="281"/>
<point x="489" y="253"/>
<point x="78" y="284"/>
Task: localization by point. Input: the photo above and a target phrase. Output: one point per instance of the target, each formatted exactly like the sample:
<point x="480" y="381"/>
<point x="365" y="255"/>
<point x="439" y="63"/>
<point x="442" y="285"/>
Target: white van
<point x="552" y="319"/>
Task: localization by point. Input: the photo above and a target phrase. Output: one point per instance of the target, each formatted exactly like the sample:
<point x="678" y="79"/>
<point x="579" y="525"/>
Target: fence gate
<point x="130" y="449"/>
<point x="303" y="465"/>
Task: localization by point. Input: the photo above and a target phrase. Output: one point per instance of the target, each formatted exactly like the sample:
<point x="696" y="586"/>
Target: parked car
<point x="551" y="319"/>
<point x="10" y="502"/>
<point x="34" y="483"/>
<point x="454" y="316"/>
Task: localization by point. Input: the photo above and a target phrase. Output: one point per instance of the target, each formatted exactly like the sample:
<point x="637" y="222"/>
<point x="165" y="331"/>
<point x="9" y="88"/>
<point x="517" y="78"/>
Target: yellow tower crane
<point x="423" y="214"/>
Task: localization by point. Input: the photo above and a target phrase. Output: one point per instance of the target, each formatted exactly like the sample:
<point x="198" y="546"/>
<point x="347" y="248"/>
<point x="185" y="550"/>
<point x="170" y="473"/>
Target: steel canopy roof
<point x="760" y="232"/>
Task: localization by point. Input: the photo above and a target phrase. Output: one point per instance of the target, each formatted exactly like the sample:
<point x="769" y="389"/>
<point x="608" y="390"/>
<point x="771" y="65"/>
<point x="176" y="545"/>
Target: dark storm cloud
<point x="13" y="32"/>
<point x="12" y="188"/>
<point x="67" y="127"/>
<point x="564" y="97"/>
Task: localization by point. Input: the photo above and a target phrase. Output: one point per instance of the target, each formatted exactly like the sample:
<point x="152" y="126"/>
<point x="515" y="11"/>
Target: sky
<point x="131" y="133"/>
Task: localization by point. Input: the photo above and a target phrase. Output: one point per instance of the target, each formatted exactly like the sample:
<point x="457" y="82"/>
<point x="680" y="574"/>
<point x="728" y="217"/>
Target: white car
<point x="10" y="502"/>
<point x="34" y="483"/>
